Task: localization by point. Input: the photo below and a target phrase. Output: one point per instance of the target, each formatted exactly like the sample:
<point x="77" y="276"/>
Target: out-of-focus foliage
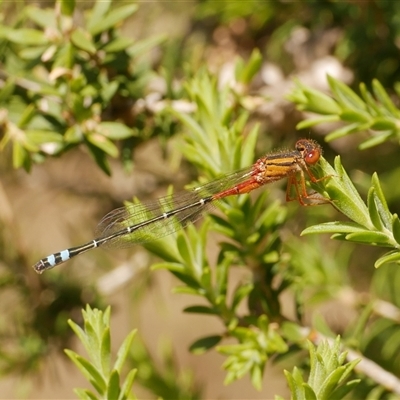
<point x="375" y="113"/>
<point x="98" y="370"/>
<point x="168" y="380"/>
<point x="348" y="29"/>
<point x="371" y="223"/>
<point x="328" y="374"/>
<point x="67" y="84"/>
<point x="67" y="78"/>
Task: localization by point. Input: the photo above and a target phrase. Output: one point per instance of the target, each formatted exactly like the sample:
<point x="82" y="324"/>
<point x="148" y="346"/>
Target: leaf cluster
<point x="163" y="376"/>
<point x="98" y="370"/>
<point x="373" y="112"/>
<point x="252" y="352"/>
<point x="371" y="223"/>
<point x="328" y="374"/>
<point x="62" y="82"/>
<point x="362" y="36"/>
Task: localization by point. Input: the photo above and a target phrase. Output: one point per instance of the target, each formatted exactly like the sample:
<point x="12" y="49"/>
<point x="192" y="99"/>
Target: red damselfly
<point x="139" y="223"/>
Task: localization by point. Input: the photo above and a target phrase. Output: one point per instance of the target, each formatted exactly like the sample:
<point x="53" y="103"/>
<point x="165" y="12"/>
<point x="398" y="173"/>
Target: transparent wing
<point x="155" y="219"/>
<point x="146" y="221"/>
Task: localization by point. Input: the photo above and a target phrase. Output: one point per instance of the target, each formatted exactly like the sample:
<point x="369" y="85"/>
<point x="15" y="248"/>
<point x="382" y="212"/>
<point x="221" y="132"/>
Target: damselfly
<point x="139" y="223"/>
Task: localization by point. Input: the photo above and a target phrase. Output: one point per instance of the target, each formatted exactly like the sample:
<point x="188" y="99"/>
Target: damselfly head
<point x="310" y="150"/>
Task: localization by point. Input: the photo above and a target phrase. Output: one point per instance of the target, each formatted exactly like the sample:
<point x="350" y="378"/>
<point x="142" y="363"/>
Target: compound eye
<point x="312" y="157"/>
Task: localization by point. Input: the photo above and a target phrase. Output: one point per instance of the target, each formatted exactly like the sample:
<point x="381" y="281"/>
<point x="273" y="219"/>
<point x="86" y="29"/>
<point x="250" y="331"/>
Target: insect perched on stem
<point x="139" y="223"/>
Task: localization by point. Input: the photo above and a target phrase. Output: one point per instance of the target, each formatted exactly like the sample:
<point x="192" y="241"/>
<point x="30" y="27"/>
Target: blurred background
<point x="53" y="194"/>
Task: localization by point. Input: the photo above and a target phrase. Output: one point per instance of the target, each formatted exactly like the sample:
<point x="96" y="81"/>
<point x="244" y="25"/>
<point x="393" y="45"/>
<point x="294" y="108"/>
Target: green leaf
<point x="27" y="116"/>
<point x="296" y="387"/>
<point x="348" y="368"/>
<point x="145" y="45"/>
<point x="7" y="89"/>
<point x="372" y="106"/>
<point x="107" y="93"/>
<point x="44" y="18"/>
<point x="113" y="391"/>
<point x="67" y="7"/>
<point x="105" y="350"/>
<point x="390" y="257"/>
<point x="309" y="393"/>
<point x="20" y="157"/>
<point x="307" y="123"/>
<point x="247" y="73"/>
<point x="241" y="293"/>
<point x="118" y="44"/>
<point x="173" y="267"/>
<point x="383" y="97"/>
<point x="320" y="103"/>
<point x="341" y="132"/>
<point x="103" y="143"/>
<point x="205" y="279"/>
<point x="341" y="391"/>
<point x="185" y="250"/>
<point x="188" y="290"/>
<point x="345" y="196"/>
<point x="127" y="386"/>
<point x="256" y="375"/>
<point x="370" y="237"/>
<point x="380" y="202"/>
<point x="39" y="137"/>
<point x="383" y="124"/>
<point x="373" y="210"/>
<point x="73" y="134"/>
<point x="83" y="40"/>
<point x="65" y="57"/>
<point x="124" y="351"/>
<point x="188" y="280"/>
<point x="376" y="140"/>
<point x="88" y="370"/>
<point x="292" y="331"/>
<point x="84" y="394"/>
<point x="78" y="332"/>
<point x="100" y="157"/>
<point x="334" y="227"/>
<point x="100" y="9"/>
<point x="335" y="378"/>
<point x="114" y="130"/>
<point x="204" y="344"/>
<point x="309" y="99"/>
<point x="248" y="147"/>
<point x="396" y="227"/>
<point x="345" y="96"/>
<point x="27" y="37"/>
<point x="222" y="275"/>
<point x="354" y="116"/>
<point x="201" y="310"/>
<point x="112" y="18"/>
<point x="198" y="134"/>
<point x="92" y="340"/>
<point x="33" y="53"/>
<point x="330" y="383"/>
